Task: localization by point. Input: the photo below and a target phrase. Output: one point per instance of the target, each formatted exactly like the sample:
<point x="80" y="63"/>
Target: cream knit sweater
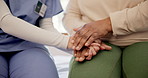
<point x="129" y="18"/>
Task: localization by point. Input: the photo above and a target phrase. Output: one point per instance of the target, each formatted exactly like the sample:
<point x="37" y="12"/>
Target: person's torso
<point x="25" y="10"/>
<point x="93" y="10"/>
<point x="98" y="9"/>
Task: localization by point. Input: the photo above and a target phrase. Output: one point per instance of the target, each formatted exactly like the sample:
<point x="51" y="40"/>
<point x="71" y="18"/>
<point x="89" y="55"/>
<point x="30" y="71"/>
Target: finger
<point x="72" y="39"/>
<point x="78" y="36"/>
<point x="91" y="39"/>
<point x="86" y="54"/>
<point x="77" y="56"/>
<point x="97" y="48"/>
<point x="76" y="59"/>
<point x="98" y="41"/>
<point x="76" y="29"/>
<point x="95" y="44"/>
<point x="102" y="47"/>
<point x="83" y="40"/>
<point x="107" y="47"/>
<point x="82" y="57"/>
<point x="75" y="53"/>
<point x="93" y="51"/>
<point x="89" y="56"/>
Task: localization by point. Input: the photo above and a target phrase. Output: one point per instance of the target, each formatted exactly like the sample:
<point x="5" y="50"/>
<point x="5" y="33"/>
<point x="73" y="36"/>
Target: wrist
<point x="109" y="25"/>
<point x="69" y="44"/>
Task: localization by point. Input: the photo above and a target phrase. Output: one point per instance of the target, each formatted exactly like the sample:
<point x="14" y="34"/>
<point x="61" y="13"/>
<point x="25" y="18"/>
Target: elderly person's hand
<point x="90" y="32"/>
<point x="86" y="53"/>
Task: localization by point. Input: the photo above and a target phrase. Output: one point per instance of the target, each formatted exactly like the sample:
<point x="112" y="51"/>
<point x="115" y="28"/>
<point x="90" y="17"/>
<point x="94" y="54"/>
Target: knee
<point x="135" y="60"/>
<point x="135" y="51"/>
<point x="33" y="63"/>
<point x="106" y="61"/>
<point x="3" y="67"/>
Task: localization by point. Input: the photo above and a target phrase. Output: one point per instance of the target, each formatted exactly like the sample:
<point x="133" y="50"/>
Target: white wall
<point x="58" y="18"/>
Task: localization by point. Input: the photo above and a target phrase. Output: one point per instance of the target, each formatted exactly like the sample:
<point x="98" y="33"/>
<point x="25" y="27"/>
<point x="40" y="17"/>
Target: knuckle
<point x="77" y="34"/>
<point x="85" y="37"/>
<point x="75" y="43"/>
<point x="83" y="40"/>
<point x="91" y="39"/>
<point x="95" y="34"/>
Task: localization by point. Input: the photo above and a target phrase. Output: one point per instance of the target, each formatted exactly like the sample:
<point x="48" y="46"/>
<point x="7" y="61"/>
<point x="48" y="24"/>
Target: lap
<point x="3" y="67"/>
<point x="32" y="63"/>
<point x="103" y="65"/>
<point x="135" y="60"/>
<point x="108" y="63"/>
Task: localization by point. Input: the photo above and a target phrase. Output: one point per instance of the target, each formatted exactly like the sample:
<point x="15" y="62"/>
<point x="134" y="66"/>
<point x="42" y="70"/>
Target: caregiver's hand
<point x="90" y="32"/>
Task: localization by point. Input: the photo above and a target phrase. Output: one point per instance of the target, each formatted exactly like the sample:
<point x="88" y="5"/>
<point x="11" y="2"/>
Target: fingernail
<point x="76" y="59"/>
<point x="78" y="48"/>
<point x="72" y="41"/>
<point x="81" y="58"/>
<point x="73" y="47"/>
<point x="86" y="44"/>
<point x="94" y="54"/>
<point x="86" y="54"/>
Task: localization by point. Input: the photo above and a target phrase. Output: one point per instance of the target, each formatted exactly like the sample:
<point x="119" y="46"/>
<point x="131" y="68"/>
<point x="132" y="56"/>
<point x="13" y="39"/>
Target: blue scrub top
<point x="25" y="10"/>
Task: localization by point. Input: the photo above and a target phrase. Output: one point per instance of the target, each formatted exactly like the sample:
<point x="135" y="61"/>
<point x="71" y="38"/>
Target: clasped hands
<point x="86" y="42"/>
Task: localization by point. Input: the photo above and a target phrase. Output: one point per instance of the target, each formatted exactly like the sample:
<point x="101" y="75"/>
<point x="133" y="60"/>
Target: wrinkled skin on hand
<point x="86" y="53"/>
<point x="85" y="35"/>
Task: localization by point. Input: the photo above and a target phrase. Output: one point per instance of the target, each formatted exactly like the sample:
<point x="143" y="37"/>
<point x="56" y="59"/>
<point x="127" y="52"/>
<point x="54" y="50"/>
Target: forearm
<point x="130" y="20"/>
<point x="24" y="30"/>
<point x="47" y="24"/>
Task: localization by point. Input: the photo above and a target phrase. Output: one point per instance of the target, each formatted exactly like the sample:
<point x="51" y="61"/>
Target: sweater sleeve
<point x="72" y="17"/>
<point x="24" y="30"/>
<point x="130" y="20"/>
<point x="61" y="41"/>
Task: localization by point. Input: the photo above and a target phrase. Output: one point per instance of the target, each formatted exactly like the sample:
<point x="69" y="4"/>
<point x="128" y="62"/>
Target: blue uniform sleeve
<point x="25" y="9"/>
<point x="53" y="8"/>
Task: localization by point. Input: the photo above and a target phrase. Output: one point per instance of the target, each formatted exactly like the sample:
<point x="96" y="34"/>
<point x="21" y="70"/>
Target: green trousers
<point x="128" y="62"/>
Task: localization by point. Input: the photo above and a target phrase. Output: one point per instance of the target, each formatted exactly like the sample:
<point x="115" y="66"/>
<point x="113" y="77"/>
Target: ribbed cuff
<point x="119" y="23"/>
<point x="64" y="42"/>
